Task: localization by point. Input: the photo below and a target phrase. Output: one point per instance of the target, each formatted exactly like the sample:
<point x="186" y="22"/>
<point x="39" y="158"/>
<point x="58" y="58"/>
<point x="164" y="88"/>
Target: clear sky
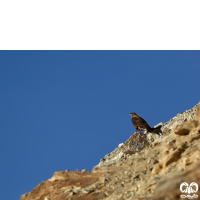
<point x="67" y="109"/>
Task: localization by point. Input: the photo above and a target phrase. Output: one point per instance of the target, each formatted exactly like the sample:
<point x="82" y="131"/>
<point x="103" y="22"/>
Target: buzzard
<point x="140" y="124"/>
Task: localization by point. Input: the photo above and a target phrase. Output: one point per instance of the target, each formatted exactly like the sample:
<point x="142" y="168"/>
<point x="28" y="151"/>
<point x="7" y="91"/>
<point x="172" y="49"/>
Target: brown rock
<point x="137" y="142"/>
<point x="198" y="113"/>
<point x="170" y="187"/>
<point x="146" y="167"/>
<point x="186" y="127"/>
<point x="165" y="131"/>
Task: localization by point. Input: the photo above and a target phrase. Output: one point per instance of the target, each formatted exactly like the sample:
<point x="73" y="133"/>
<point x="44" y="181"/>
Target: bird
<point x="140" y="124"/>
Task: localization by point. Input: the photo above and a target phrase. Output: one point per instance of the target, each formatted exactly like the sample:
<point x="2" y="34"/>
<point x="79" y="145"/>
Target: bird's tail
<point x="156" y="130"/>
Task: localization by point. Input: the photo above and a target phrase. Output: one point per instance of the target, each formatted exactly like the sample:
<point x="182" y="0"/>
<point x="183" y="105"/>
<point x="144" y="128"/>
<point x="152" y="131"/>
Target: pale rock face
<point x="146" y="166"/>
<point x="121" y="145"/>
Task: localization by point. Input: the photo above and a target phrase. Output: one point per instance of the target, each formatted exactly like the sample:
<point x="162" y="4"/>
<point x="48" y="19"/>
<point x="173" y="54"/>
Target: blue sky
<point x="67" y="109"/>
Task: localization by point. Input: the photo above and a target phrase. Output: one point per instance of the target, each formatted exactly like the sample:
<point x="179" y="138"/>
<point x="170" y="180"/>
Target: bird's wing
<point x="140" y="122"/>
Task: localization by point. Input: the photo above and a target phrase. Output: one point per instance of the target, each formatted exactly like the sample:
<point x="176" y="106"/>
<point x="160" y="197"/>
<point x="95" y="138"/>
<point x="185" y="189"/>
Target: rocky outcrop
<point x="146" y="166"/>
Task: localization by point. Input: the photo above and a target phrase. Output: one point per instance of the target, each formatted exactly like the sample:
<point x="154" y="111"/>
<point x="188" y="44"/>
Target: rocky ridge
<point x="146" y="166"/>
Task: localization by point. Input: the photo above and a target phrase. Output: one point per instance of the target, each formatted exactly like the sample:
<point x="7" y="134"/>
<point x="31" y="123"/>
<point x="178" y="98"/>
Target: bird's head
<point x="133" y="114"/>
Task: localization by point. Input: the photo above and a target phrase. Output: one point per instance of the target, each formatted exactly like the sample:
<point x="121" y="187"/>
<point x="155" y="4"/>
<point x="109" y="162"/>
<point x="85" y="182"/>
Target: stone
<point x="137" y="142"/>
<point x="186" y="127"/>
<point x="121" y="145"/>
<point x="146" y="166"/>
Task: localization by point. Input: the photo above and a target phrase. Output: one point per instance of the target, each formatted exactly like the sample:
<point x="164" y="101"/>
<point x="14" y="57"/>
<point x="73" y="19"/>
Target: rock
<point x="128" y="151"/>
<point x="186" y="127"/>
<point x="197" y="117"/>
<point x="23" y="196"/>
<point x="170" y="187"/>
<point x="165" y="131"/>
<point x="147" y="166"/>
<point x="137" y="142"/>
<point x="121" y="145"/>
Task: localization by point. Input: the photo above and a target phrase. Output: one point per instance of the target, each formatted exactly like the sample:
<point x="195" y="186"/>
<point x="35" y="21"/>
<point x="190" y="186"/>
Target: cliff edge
<point x="146" y="167"/>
